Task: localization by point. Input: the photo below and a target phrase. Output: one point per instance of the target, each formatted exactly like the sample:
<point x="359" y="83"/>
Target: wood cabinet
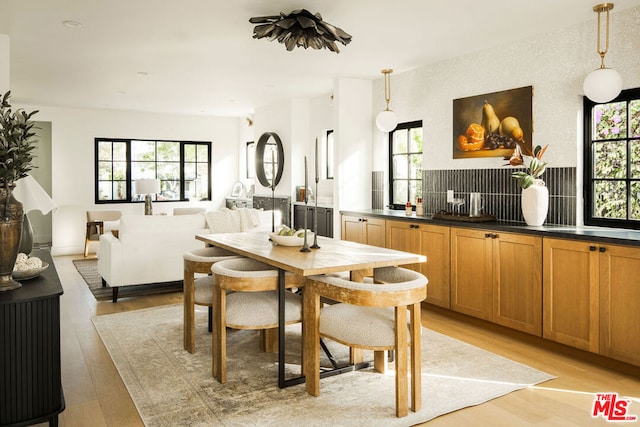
<point x="620" y="302"/>
<point x="367" y="230"/>
<point x="571" y="301"/>
<point x="497" y="277"/>
<point x="431" y="241"/>
<point x="325" y="219"/>
<point x="591" y="297"/>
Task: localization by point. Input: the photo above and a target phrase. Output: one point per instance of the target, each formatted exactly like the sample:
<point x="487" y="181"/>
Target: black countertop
<point x="592" y="234"/>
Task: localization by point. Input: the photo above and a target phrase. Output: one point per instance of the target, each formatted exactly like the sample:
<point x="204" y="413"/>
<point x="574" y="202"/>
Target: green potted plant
<point x="16" y="156"/>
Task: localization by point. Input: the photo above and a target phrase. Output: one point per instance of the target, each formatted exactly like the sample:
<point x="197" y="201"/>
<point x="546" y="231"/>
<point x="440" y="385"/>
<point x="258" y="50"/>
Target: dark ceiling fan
<point x="300" y="28"/>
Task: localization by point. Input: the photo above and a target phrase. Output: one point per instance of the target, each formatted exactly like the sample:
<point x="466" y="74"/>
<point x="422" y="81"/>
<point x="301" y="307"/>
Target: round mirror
<point x="269" y="159"/>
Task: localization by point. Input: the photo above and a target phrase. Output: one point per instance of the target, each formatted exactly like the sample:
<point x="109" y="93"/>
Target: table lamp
<point x="33" y="197"/>
<point x="147" y="187"/>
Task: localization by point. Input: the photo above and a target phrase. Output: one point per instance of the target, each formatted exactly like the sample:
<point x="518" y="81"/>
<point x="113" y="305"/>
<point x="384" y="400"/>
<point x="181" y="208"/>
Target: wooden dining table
<point x="333" y="256"/>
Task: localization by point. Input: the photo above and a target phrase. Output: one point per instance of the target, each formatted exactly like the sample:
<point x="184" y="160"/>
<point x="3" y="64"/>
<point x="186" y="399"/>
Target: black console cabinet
<point x="325" y="219"/>
<point x="30" y="374"/>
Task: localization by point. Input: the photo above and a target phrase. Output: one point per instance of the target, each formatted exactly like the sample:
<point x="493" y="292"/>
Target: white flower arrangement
<point x="25" y="263"/>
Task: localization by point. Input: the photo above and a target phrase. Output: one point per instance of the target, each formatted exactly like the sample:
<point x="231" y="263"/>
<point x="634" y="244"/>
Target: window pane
<point x="105" y="190"/>
<point x="415" y="140"/>
<point x="400" y="167"/>
<point x="169" y="190"/>
<point x="400" y="192"/>
<point x="143" y="150"/>
<point x="104" y="170"/>
<point x="400" y="141"/>
<point x="610" y="160"/>
<point x="415" y="168"/>
<point x="202" y="171"/>
<point x="143" y="170"/>
<point x="190" y="171"/>
<point x="330" y="143"/>
<point x="104" y="150"/>
<point x="610" y="199"/>
<point x="415" y="190"/>
<point x="120" y="170"/>
<point x="634" y="152"/>
<point x="189" y="153"/>
<point x="119" y="190"/>
<point x="202" y="153"/>
<point x="635" y="200"/>
<point x="634" y="114"/>
<point x="610" y="120"/>
<point x="168" y="151"/>
<point x="119" y="151"/>
<point x="168" y="171"/>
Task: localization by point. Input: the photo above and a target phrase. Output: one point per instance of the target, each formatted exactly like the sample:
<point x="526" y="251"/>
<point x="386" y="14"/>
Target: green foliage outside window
<point x="613" y="156"/>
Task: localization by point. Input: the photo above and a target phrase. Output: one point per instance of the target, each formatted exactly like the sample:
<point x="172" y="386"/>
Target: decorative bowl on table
<point x="30" y="273"/>
<point x="295" y="240"/>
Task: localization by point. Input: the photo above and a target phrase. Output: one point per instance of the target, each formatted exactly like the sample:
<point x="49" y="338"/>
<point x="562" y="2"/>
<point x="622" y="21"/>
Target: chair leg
<point x="189" y="333"/>
<point x="210" y="319"/>
<point x="402" y="407"/>
<point x="269" y="340"/>
<point x="114" y="294"/>
<point x="219" y="335"/>
<point x="311" y="340"/>
<point x="86" y="247"/>
<point x="416" y="358"/>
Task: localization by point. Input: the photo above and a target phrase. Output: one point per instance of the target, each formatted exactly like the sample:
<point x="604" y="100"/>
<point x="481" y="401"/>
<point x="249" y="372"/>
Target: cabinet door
<point x="620" y="302"/>
<point x="365" y="230"/>
<point x="353" y="229"/>
<point x="517" y="292"/>
<point x="471" y="272"/>
<point x="570" y="293"/>
<point x="374" y="230"/>
<point x="298" y="216"/>
<point x="403" y="236"/>
<point x="434" y="244"/>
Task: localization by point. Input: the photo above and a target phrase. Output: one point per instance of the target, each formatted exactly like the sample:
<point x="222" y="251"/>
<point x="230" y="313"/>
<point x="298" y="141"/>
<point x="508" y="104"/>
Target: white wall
<point x="555" y="64"/>
<point x="4" y="63"/>
<point x="73" y="133"/>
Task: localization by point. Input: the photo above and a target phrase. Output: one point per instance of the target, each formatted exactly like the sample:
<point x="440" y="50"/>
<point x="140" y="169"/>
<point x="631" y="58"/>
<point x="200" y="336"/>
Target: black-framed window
<point x="251" y="159"/>
<point x="612" y="161"/>
<point x="405" y="164"/>
<point x="183" y="168"/>
<point x="329" y="153"/>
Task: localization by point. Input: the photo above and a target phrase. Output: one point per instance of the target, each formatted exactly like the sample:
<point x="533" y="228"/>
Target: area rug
<point x="169" y="386"/>
<point x="88" y="269"/>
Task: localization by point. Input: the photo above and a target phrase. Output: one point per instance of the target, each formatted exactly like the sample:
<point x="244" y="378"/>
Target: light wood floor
<point x="96" y="396"/>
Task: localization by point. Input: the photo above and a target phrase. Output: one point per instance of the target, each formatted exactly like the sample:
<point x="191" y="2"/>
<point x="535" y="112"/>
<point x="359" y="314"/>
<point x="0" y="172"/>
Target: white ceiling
<point x="201" y="58"/>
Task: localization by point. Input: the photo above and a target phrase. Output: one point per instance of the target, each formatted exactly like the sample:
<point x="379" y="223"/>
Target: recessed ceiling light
<point x="143" y="73"/>
<point x="72" y="24"/>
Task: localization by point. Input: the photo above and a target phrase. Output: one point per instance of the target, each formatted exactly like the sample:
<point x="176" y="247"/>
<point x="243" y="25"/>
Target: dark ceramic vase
<point x="10" y="234"/>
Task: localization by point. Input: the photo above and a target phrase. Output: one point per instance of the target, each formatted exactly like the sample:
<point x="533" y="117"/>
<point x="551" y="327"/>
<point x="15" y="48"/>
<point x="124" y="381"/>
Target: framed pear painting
<point x="491" y="125"/>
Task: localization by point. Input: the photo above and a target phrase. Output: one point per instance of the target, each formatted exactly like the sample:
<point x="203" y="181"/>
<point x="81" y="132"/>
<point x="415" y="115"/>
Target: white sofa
<point x="149" y="248"/>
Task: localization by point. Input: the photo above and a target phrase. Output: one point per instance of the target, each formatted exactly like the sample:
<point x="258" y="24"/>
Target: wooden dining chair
<point x="371" y="316"/>
<point x="99" y="222"/>
<point x="199" y="291"/>
<point x="245" y="296"/>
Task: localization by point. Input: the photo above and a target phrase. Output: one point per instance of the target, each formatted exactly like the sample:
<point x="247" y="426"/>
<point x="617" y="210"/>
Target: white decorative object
<point x="535" y="203"/>
<point x="603" y="84"/>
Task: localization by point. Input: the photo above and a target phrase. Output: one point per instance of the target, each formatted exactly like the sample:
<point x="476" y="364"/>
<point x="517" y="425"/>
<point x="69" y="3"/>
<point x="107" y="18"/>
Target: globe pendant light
<point x="603" y="84"/>
<point x="386" y="119"/>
